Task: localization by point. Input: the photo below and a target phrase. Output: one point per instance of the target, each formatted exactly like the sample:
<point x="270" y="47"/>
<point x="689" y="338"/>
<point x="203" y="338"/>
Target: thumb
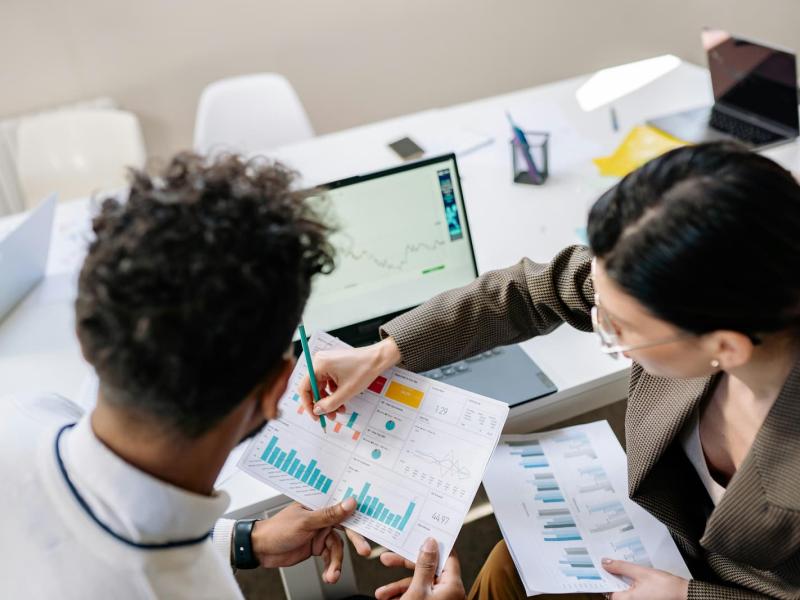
<point x="427" y="561"/>
<point x="330" y="515"/>
<point x="624" y="569"/>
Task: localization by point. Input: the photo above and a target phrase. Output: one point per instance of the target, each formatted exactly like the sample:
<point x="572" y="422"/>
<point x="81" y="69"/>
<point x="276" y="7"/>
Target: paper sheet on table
<point x="561" y="499"/>
<point x="411" y="450"/>
<point x="642" y="144"/>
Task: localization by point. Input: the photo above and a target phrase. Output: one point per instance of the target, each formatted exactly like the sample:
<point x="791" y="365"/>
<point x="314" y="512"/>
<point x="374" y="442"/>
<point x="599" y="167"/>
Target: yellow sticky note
<point x="640" y="145"/>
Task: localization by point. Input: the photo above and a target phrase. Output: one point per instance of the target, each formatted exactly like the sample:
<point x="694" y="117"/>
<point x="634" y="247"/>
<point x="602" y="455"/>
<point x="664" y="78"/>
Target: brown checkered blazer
<point x="748" y="546"/>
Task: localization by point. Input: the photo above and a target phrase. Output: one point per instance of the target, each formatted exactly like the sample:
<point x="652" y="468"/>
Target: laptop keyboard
<point x="742" y="129"/>
<point x="462" y="366"/>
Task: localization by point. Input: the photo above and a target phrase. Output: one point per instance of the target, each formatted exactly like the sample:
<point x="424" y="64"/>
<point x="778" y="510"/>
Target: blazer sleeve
<point x="498" y="308"/>
<point x="701" y="590"/>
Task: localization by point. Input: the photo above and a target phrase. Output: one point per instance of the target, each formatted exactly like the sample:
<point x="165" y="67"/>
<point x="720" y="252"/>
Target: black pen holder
<point x="537" y="147"/>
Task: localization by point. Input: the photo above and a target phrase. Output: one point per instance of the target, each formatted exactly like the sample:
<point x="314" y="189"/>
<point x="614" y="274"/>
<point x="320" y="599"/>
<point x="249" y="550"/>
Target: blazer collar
<point x="758" y="519"/>
<point x="658" y="409"/>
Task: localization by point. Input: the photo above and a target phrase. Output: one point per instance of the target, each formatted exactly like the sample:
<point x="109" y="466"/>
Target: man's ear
<point x="272" y="392"/>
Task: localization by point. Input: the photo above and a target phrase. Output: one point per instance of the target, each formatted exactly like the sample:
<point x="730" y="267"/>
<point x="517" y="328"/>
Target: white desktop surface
<point x="39" y="352"/>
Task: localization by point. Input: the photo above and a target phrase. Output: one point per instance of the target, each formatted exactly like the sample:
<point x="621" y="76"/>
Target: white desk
<point x="38" y="350"/>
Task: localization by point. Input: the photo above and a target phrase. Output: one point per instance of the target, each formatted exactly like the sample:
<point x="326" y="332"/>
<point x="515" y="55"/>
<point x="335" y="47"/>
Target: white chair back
<point x="249" y="114"/>
<point x="77" y="152"/>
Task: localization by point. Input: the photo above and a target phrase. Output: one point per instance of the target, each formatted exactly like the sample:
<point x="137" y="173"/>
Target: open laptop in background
<point x="755" y="95"/>
<point x="23" y="255"/>
<point x="404" y="237"/>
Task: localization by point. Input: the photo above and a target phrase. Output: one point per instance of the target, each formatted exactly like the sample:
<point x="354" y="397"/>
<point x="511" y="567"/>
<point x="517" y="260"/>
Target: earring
<point x="715" y="363"/>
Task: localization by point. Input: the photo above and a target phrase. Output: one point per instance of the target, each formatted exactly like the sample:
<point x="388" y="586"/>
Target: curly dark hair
<point x="192" y="289"/>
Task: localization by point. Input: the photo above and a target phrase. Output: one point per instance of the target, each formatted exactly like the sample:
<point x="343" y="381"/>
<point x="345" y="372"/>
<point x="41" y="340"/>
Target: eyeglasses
<point x="608" y="332"/>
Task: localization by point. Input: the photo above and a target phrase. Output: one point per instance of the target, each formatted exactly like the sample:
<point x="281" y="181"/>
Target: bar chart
<point x="633" y="550"/>
<point x="547" y="489"/>
<point x="373" y="506"/>
<point x="344" y="425"/>
<point x="577" y="563"/>
<point x="576" y="443"/>
<point x="531" y="454"/>
<point x="290" y="463"/>
<point x="559" y="525"/>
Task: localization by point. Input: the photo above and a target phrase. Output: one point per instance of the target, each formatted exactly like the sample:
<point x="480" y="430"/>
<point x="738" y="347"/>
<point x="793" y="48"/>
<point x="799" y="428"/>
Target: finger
<point x="307" y="397"/>
<point x="390" y="559"/>
<point x="625" y="569"/>
<point x="318" y="541"/>
<point x="335" y="548"/>
<point x="359" y="542"/>
<point x="393" y="590"/>
<point x="425" y="570"/>
<point x="451" y="570"/>
<point x="334" y="401"/>
<point x="330" y="515"/>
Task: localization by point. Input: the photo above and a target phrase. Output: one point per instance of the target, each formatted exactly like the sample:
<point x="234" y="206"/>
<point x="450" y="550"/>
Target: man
<point x="187" y="302"/>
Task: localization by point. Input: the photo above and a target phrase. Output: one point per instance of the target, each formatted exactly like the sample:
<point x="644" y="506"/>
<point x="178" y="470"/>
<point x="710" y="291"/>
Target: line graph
<point x="449" y="464"/>
<point x="386" y="263"/>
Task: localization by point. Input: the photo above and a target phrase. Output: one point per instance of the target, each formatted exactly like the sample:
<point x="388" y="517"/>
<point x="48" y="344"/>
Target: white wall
<point x="352" y="61"/>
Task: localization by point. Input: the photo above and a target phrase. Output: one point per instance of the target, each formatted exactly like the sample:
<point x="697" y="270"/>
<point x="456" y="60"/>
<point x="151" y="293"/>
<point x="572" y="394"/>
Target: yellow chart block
<point x="404" y="394"/>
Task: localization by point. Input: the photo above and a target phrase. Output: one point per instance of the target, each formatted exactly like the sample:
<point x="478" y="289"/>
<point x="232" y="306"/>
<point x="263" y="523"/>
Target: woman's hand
<point x="424" y="585"/>
<point x="341" y="374"/>
<point x="646" y="583"/>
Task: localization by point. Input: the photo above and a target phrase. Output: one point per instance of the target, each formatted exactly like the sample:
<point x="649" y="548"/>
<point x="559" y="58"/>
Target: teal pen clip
<point x="311" y="376"/>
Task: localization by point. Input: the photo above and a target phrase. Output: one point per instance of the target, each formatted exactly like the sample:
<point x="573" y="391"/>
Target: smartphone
<point x="406" y="149"/>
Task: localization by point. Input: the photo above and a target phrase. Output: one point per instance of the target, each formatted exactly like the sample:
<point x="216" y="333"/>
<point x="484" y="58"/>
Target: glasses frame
<point x="606" y="330"/>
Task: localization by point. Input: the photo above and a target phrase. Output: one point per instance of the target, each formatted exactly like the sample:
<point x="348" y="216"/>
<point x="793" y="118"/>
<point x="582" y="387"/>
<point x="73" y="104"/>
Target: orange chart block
<point x="338" y="427"/>
<point x="404" y="394"/>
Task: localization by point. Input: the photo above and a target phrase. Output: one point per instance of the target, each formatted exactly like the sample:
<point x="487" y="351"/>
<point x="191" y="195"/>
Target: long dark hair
<point x="706" y="237"/>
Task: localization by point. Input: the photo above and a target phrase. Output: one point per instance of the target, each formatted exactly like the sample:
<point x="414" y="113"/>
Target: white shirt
<point x="690" y="440"/>
<point x="79" y="522"/>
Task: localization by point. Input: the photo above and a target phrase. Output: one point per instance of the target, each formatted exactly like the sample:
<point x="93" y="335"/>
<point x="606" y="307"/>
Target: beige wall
<point x="352" y="61"/>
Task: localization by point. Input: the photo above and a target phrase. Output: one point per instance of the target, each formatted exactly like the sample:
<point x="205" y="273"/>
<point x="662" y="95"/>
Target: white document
<point x="411" y="450"/>
<point x="561" y="498"/>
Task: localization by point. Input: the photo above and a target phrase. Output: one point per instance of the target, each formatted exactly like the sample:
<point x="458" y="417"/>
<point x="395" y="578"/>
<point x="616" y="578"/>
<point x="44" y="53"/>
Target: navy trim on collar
<point x="85" y="506"/>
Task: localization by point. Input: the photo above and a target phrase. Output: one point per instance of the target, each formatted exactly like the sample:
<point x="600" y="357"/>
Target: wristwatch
<point x="242" y="551"/>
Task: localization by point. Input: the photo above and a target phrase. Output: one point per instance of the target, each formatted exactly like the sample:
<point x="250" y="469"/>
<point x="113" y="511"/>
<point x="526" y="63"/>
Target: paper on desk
<point x="411" y="450"/>
<point x="561" y="499"/>
<point x="639" y="146"/>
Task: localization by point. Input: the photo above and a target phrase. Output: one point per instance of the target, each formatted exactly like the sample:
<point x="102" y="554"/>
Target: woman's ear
<point x="275" y="387"/>
<point x="730" y="348"/>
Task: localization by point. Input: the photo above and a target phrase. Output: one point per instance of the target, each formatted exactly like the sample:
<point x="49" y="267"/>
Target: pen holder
<point x="537" y="147"/>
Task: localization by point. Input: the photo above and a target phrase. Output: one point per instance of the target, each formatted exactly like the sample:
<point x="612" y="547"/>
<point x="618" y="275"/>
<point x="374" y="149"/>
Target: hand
<point x="646" y="583"/>
<point x="296" y="533"/>
<point x="424" y="584"/>
<point x="341" y="374"/>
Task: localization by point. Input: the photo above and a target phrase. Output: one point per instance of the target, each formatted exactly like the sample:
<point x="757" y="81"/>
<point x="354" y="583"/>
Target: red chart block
<point x="377" y="385"/>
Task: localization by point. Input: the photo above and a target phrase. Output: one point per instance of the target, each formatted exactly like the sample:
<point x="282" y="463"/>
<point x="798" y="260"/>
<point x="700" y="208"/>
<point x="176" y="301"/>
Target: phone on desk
<point x="407" y="149"/>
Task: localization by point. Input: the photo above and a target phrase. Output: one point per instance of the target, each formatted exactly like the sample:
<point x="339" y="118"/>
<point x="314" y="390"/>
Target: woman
<point x="695" y="278"/>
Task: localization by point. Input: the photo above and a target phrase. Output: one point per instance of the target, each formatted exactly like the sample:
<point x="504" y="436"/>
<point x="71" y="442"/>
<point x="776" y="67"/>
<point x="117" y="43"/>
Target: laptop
<point x="403" y="237"/>
<point x="755" y="95"/>
<point x="23" y="255"/>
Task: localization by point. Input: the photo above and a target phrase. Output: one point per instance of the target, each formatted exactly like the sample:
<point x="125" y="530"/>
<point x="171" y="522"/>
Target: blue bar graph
<point x="578" y="564"/>
<point x="547" y="489"/>
<point x="531" y="454"/>
<point x="291" y="465"/>
<point x="372" y="506"/>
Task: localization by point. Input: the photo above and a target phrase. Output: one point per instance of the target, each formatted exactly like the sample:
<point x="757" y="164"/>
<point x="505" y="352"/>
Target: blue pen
<point x="522" y="142"/>
<point x="311" y="375"/>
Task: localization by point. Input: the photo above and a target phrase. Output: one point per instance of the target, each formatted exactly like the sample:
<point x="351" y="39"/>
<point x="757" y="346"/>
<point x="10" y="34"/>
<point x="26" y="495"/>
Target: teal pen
<point x="311" y="376"/>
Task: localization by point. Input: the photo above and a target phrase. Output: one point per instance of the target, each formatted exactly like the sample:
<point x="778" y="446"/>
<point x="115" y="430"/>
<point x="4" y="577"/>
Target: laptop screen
<point x="402" y="238"/>
<point x="752" y="78"/>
